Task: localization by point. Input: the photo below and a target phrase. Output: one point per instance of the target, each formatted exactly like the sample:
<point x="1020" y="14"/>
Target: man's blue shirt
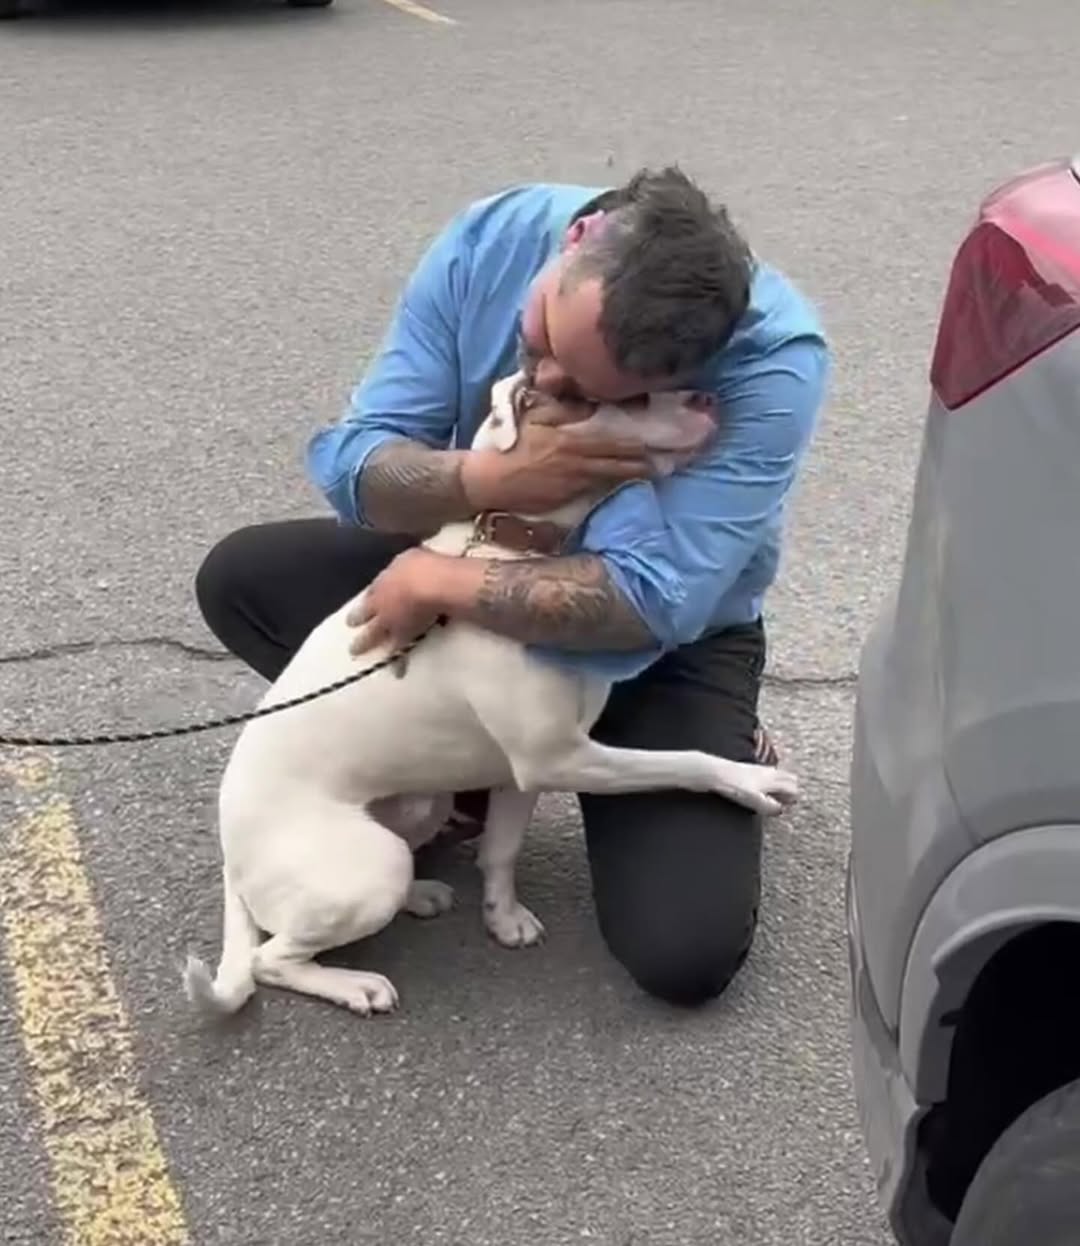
<point x="694" y="552"/>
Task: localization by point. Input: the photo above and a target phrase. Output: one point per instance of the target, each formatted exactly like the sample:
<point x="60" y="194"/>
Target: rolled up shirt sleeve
<point x="676" y="548"/>
<point x="411" y="388"/>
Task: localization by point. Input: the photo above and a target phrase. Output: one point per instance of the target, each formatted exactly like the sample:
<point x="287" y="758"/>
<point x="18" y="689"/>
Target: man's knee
<point x="687" y="963"/>
<point x="218" y="582"/>
<point x="231" y="589"/>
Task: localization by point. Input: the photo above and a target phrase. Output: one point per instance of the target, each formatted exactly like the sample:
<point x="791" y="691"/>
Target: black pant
<point x="676" y="875"/>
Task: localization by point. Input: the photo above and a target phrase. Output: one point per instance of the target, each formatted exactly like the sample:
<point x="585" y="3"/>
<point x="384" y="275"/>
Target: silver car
<point x="964" y="879"/>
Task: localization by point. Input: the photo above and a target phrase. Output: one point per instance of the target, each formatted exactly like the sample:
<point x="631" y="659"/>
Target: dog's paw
<point x="428" y="898"/>
<point x="766" y="789"/>
<point x="513" y="925"/>
<point x="365" y="993"/>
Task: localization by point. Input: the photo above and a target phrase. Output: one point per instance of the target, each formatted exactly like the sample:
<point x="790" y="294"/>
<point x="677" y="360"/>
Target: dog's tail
<point x="234" y="983"/>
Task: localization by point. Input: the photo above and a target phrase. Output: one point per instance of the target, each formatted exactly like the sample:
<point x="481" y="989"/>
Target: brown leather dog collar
<point x="522" y="536"/>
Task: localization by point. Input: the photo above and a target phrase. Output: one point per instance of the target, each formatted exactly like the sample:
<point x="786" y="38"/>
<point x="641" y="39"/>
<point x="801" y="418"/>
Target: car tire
<point x="1027" y="1189"/>
<point x="9" y="10"/>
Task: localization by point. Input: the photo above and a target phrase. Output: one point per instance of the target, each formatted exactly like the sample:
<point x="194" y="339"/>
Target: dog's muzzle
<point x="522" y="536"/>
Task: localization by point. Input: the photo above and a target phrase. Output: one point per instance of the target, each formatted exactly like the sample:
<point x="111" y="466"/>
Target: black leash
<point x="212" y="724"/>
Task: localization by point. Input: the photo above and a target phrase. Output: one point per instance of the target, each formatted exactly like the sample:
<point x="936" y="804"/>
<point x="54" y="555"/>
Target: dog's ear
<point x="672" y="427"/>
<point x="679" y="422"/>
<point x="500" y="430"/>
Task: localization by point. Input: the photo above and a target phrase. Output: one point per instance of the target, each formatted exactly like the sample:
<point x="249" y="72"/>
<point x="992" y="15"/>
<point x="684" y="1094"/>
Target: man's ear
<point x="500" y="431"/>
<point x="582" y="228"/>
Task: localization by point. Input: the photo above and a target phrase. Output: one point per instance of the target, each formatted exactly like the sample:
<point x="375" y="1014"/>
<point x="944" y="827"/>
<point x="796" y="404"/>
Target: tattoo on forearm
<point x="568" y="603"/>
<point x="406" y="487"/>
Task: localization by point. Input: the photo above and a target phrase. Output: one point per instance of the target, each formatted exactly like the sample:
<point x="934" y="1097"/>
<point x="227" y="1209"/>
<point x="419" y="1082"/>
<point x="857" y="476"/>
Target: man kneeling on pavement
<point x="599" y="295"/>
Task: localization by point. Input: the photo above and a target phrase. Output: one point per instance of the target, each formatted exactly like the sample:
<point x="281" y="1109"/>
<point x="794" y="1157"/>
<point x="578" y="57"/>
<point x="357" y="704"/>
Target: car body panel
<point x="968" y="707"/>
<point x="1009" y="618"/>
<point x="965" y="786"/>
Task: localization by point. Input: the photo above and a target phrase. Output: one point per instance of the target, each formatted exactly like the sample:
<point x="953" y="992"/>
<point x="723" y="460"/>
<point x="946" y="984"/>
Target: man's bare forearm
<point x="567" y="603"/>
<point x="406" y="487"/>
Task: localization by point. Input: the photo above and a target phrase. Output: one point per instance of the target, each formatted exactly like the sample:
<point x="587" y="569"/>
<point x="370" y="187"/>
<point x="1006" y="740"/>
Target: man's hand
<point x="555" y="460"/>
<point x="398" y="604"/>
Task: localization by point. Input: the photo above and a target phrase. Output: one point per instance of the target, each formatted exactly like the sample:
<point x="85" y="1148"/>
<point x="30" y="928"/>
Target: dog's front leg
<point x="587" y="766"/>
<point x="509" y="921"/>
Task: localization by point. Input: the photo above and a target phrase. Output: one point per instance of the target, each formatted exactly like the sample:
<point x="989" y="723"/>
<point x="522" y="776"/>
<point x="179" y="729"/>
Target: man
<point x="599" y="295"/>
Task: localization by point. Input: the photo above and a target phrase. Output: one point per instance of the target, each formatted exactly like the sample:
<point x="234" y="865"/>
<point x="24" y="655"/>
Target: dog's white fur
<point x="322" y="805"/>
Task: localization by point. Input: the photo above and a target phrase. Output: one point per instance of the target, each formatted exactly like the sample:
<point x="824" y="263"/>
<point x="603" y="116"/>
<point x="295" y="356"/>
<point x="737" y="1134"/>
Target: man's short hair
<point x="674" y="272"/>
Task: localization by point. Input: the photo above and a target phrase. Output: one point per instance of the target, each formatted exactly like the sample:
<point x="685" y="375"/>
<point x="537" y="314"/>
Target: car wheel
<point x="1027" y="1189"/>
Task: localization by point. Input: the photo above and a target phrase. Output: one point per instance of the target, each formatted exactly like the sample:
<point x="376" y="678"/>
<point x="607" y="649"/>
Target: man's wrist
<point x="406" y="487"/>
<point x="481" y="479"/>
<point x="450" y="585"/>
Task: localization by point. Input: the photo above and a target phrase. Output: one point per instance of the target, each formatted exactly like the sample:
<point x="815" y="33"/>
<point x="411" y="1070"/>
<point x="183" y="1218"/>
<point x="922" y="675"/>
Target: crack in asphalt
<point x="846" y="679"/>
<point x="48" y="653"/>
<point x="202" y="653"/>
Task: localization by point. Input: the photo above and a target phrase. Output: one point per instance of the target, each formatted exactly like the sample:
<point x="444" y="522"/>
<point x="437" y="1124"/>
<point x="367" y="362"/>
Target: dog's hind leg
<point x="355" y="889"/>
<point x="417" y="820"/>
<point x="287" y="963"/>
<point x="505" y="917"/>
<point x="234" y="982"/>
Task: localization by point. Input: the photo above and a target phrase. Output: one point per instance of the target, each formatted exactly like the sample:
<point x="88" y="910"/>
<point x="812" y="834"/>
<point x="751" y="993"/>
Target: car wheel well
<point x="1016" y="1039"/>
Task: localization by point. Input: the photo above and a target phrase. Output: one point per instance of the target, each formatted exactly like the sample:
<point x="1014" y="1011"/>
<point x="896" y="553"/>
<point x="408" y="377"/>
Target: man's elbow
<point x="654" y="597"/>
<point x="335" y="460"/>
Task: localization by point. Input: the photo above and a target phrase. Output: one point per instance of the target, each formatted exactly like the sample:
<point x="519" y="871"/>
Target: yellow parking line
<point x="110" y="1178"/>
<point x="422" y="11"/>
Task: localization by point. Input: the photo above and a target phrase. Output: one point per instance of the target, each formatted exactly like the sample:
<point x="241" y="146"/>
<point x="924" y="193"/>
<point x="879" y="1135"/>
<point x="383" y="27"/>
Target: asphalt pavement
<point x="206" y="212"/>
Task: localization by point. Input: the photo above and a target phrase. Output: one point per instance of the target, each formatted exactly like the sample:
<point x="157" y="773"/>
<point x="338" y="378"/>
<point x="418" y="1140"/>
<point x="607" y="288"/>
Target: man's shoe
<point x="765" y="753"/>
<point x="459" y="828"/>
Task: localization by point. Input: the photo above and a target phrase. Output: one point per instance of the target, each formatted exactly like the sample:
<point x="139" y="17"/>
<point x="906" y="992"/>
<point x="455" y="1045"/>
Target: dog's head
<point x="671" y="427"/>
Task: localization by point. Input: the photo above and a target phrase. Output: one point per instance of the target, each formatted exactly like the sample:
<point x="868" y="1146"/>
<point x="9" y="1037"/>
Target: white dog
<point x="322" y="805"/>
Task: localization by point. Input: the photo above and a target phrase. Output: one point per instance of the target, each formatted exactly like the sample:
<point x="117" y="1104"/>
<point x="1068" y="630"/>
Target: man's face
<point x="563" y="351"/>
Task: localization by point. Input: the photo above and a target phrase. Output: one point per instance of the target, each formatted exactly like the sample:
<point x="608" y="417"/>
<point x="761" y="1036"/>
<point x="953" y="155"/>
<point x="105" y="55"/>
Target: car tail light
<point x="1014" y="289"/>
